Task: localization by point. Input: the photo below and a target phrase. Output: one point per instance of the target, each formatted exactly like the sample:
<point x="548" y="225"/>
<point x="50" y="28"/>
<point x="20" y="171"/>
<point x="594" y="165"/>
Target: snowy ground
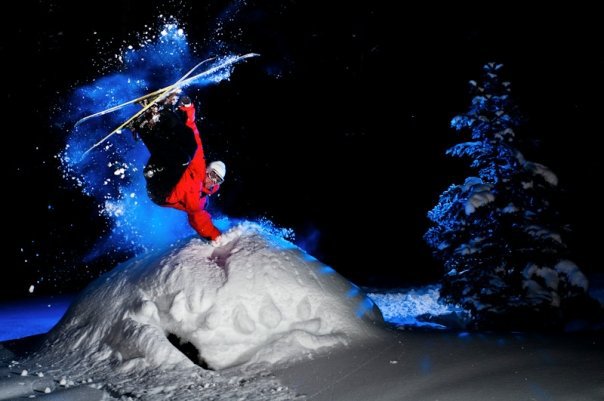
<point x="445" y="366"/>
<point x="401" y="366"/>
<point x="272" y="323"/>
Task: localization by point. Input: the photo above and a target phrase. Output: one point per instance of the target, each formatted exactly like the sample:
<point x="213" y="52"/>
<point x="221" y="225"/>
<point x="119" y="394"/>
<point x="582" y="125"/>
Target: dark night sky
<point x="349" y="140"/>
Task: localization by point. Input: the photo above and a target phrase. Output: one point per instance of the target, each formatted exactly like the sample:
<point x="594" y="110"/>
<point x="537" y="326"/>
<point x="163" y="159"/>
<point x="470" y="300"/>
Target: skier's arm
<point x="188" y="113"/>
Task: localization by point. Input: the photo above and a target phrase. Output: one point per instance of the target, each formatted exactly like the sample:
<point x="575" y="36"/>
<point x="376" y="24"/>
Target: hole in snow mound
<point x="188" y="350"/>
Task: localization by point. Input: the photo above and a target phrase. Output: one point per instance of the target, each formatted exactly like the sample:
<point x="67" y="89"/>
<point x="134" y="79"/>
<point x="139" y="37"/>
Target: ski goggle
<point x="214" y="177"/>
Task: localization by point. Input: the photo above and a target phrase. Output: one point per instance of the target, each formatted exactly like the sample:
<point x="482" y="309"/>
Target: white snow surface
<point x="573" y="274"/>
<point x="249" y="298"/>
<point x="543" y="233"/>
<point x="506" y="134"/>
<point x="274" y="322"/>
<point x="543" y="171"/>
<point x="404" y="365"/>
<point x="481" y="195"/>
<point x="402" y="308"/>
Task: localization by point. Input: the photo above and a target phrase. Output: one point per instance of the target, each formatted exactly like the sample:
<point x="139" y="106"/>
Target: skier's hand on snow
<point x="216" y="241"/>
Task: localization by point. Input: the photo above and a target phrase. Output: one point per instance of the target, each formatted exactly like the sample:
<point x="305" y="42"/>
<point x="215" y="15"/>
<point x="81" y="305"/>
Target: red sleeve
<point x="190" y="112"/>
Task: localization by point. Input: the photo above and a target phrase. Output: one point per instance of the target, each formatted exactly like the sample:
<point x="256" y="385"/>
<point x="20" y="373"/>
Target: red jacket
<point x="185" y="195"/>
<point x="190" y="113"/>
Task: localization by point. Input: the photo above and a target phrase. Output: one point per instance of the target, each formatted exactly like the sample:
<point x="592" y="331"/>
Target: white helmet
<point x="219" y="168"/>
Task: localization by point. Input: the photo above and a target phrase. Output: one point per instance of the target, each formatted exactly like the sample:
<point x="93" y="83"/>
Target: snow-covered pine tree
<point x="497" y="234"/>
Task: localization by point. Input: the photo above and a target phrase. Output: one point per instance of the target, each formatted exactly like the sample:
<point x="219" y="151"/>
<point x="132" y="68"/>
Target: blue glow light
<point x="27" y="318"/>
<point x="365" y="305"/>
<point x="326" y="270"/>
<point x="353" y="292"/>
<point x="310" y="242"/>
<point x="112" y="173"/>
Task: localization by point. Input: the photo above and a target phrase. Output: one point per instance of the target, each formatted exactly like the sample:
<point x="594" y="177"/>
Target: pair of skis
<point x="161" y="94"/>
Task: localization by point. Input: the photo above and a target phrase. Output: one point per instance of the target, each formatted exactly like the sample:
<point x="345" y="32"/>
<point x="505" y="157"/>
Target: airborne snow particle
<point x="31" y="289"/>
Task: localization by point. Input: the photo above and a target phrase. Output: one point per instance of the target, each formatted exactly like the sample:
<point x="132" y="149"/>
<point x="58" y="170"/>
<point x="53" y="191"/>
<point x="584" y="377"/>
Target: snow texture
<point x="405" y="365"/>
<point x="402" y="308"/>
<point x="574" y="276"/>
<point x="249" y="301"/>
<point x="543" y="233"/>
<point x="543" y="171"/>
<point x="445" y="366"/>
<point x="480" y="196"/>
<point x="543" y="283"/>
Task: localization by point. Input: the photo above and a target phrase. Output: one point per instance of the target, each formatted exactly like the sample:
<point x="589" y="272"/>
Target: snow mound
<point x="250" y="298"/>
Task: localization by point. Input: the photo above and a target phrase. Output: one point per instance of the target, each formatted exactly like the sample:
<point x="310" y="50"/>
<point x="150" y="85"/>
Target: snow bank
<point x="250" y="298"/>
<point x="414" y="307"/>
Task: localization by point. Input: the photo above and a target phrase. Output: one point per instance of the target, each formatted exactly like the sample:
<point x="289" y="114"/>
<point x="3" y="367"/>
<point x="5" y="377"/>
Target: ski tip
<point x="83" y="155"/>
<point x="247" y="55"/>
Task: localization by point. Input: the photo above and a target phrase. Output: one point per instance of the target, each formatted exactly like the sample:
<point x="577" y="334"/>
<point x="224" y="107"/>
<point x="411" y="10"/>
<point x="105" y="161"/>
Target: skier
<point x="176" y="172"/>
<point x="191" y="194"/>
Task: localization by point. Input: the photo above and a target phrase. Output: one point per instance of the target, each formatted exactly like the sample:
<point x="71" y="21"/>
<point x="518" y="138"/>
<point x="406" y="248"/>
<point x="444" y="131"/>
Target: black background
<point x="346" y="140"/>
